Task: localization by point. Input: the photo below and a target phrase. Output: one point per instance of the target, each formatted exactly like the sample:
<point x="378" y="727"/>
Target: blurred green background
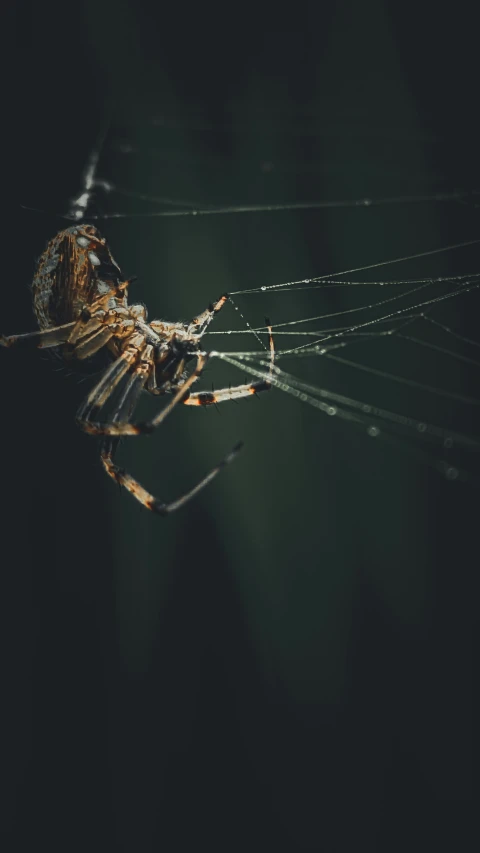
<point x="286" y="663"/>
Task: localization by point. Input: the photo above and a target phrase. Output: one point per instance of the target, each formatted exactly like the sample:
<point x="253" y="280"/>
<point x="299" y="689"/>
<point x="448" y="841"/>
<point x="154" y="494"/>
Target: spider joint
<point x="158" y="507"/>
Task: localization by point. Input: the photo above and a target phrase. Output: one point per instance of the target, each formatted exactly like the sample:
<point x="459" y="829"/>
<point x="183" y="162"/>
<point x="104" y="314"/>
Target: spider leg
<point x="85" y="328"/>
<point x="133" y="389"/>
<point x="42" y="338"/>
<point x="123" y="478"/>
<point x="55" y="335"/>
<point x="152" y="386"/>
<point x="126" y="405"/>
<point x="209" y="398"/>
<point x="204" y="319"/>
<point x="104" y="389"/>
<point x="124" y="409"/>
<point x="88" y="346"/>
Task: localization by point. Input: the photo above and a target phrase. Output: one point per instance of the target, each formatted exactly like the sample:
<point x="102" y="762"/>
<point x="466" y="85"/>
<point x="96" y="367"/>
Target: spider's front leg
<point x="209" y="398"/>
<point x="200" y="324"/>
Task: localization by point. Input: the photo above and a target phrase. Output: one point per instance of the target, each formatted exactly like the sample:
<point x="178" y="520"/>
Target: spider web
<point x="382" y="338"/>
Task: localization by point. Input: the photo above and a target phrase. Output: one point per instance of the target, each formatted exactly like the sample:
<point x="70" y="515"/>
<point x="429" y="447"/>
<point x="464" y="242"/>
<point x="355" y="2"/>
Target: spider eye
<point x="83" y="242"/>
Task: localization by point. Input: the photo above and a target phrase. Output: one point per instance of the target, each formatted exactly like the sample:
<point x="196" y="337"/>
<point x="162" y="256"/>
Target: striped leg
<point x="42" y="338"/>
<point x="133" y="389"/>
<point x="202" y="322"/>
<point x="79" y="334"/>
<point x="104" y="389"/>
<point x="209" y="398"/>
<point x="123" y="478"/>
<point x="125" y="408"/>
<point x="88" y="346"/>
<point x="100" y="394"/>
<point x="109" y="447"/>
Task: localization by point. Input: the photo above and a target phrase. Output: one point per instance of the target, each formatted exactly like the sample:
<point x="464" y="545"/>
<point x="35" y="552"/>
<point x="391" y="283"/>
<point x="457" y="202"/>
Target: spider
<point x="80" y="300"/>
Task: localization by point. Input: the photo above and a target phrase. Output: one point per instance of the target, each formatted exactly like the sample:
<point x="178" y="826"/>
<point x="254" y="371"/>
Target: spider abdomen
<point x="75" y="268"/>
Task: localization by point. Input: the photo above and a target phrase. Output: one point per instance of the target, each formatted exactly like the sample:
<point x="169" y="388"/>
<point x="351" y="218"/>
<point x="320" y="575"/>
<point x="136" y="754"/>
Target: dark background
<point x="286" y="664"/>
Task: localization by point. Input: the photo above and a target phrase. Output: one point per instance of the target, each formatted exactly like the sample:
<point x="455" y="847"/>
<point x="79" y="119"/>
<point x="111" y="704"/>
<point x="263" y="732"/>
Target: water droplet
<point x="451" y="473"/>
<point x="367" y="202"/>
<point x="448" y="442"/>
<point x="331" y="410"/>
<point x="263" y="287"/>
<point x="366" y="409"/>
<point x="373" y="431"/>
<point x="422" y="427"/>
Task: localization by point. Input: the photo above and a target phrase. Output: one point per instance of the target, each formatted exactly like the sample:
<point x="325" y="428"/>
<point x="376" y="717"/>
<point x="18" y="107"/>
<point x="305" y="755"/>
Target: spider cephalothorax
<point x="80" y="299"/>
